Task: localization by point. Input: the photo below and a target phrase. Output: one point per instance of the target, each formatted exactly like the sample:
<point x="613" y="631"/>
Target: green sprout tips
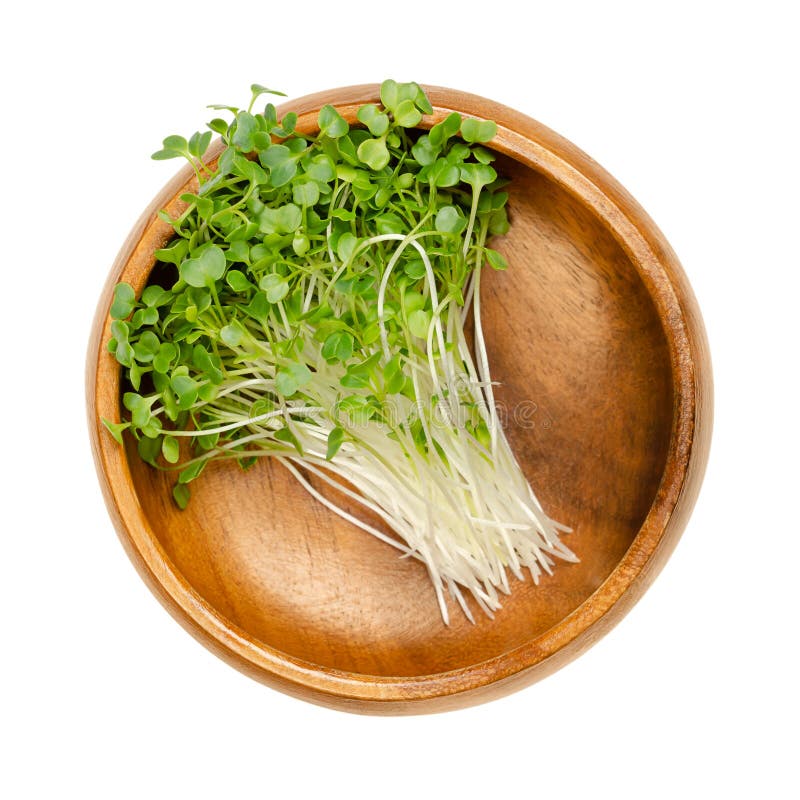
<point x="311" y="307"/>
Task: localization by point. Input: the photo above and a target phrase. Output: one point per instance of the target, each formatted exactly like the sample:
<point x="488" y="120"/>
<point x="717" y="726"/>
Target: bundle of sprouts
<point x="316" y="315"/>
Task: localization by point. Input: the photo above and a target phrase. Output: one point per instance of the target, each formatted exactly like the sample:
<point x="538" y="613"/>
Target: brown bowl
<point x="598" y="341"/>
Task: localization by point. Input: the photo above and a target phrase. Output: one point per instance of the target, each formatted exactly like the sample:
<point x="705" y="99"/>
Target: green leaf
<point x="300" y="244"/>
<point x="364" y="284"/>
<point x="483" y="155"/>
<point x="186" y="390"/>
<point x="239" y="251"/>
<point x="116" y="428"/>
<point x="335" y="440"/>
<point x="393" y="376"/>
<point x="364" y="193"/>
<point x="286" y="435"/>
<point x="124" y="354"/>
<point x="238" y="281"/>
<point x="181" y="495"/>
<point x="286" y="128"/>
<point x="498" y="222"/>
<point x="203" y="142"/>
<point x="146" y="348"/>
<point x="285" y="219"/>
<point x="175" y="143"/>
<point x="450" y="220"/>
<point x="270" y="115"/>
<point x="172" y="147"/>
<point x="283" y="173"/>
<point x="499" y="200"/>
<point x="124" y="301"/>
<point x="419" y="322"/>
<point x="374" y="119"/>
<point x="425" y="151"/>
<point x="276" y="287"/>
<point x="232" y="334"/>
<point x="390" y="223"/>
<point x="373" y="153"/>
<point x="407" y="115"/>
<point x="458" y="152"/>
<point x="246" y="127"/>
<point x="145" y="317"/>
<point x="120" y="330"/>
<point x="204" y="270"/>
<point x="135" y="375"/>
<point x="260" y="407"/>
<point x="346" y="246"/>
<point x="139" y="408"/>
<point x="192" y="471"/>
<point x="359" y="375"/>
<point x="257" y="89"/>
<point x="421" y="100"/>
<point x="258" y="308"/>
<point x="383" y="196"/>
<point x="357" y="407"/>
<point x="280" y="161"/>
<point x="478" y="175"/>
<point x="415" y="269"/>
<point x="210" y="367"/>
<point x="346" y="150"/>
<point x="495" y="259"/>
<point x="345" y="173"/>
<point x="165" y="155"/>
<point x="321" y="169"/>
<point x="443" y="174"/>
<point x="289" y="218"/>
<point x="198" y="297"/>
<point x="343" y="214"/>
<point x="305" y="193"/>
<point x="337" y="347"/>
<point x="478" y="130"/>
<point x="148" y="449"/>
<point x="155" y="296"/>
<point x="207" y="392"/>
<point x="354" y="380"/>
<point x="331" y="123"/>
<point x="225" y="162"/>
<point x="275" y="155"/>
<point x="164" y="357"/>
<point x="153" y="429"/>
<point x="170" y="449"/>
<point x="199" y="142"/>
<point x="218" y="126"/>
<point x="444" y="130"/>
<point x="173" y="253"/>
<point x="250" y="170"/>
<point x="389" y="93"/>
<point x="291" y="378"/>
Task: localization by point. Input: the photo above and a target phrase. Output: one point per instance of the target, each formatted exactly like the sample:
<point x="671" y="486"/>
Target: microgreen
<point x="322" y="283"/>
<point x="478" y="130"/>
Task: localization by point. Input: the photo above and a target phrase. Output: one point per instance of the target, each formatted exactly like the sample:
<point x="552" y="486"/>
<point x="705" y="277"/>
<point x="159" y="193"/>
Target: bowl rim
<point x="541" y="149"/>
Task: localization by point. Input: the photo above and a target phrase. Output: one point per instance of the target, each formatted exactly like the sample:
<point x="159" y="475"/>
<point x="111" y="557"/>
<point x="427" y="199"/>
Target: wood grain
<point x="606" y="396"/>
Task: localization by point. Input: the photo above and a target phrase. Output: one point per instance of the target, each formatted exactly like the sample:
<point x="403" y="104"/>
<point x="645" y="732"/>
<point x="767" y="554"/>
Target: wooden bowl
<point x="598" y="341"/>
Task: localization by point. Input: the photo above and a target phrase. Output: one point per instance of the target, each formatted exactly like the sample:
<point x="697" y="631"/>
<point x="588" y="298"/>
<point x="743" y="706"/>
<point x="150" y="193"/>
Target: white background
<point x="693" y="107"/>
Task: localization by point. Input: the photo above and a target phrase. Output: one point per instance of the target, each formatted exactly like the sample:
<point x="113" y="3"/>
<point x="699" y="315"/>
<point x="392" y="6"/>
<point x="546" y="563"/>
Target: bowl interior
<point x="587" y="402"/>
